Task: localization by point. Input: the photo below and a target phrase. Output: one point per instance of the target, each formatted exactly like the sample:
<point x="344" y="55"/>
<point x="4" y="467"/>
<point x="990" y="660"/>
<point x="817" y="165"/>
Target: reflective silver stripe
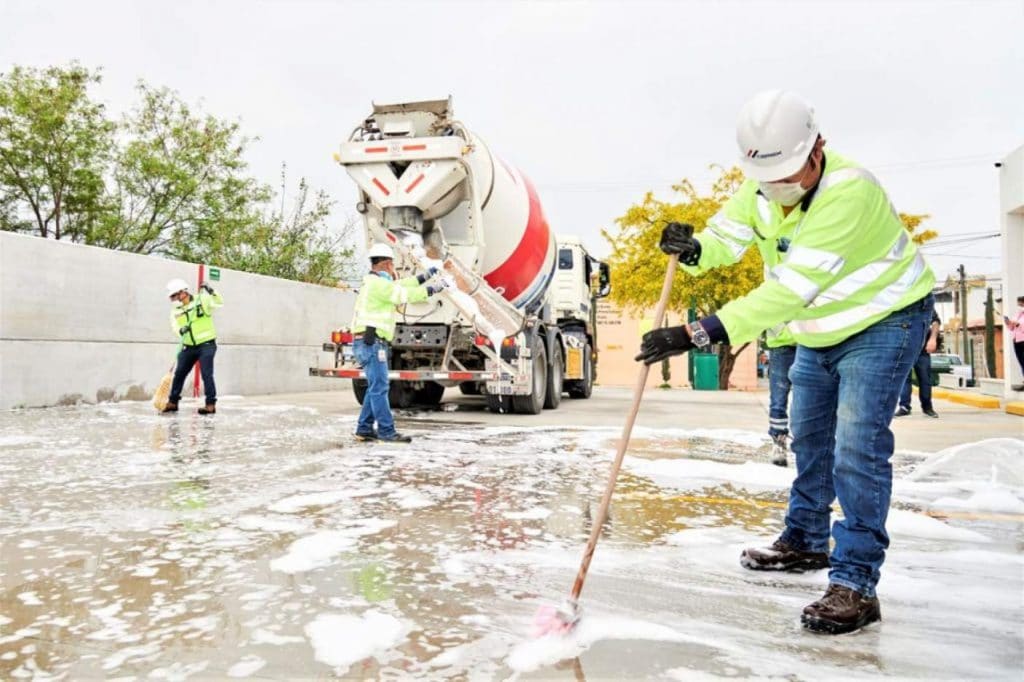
<point x="844" y="174"/>
<point x="795" y="282"/>
<point x="778" y="422"/>
<point x="815" y="259"/>
<point x="399" y="295"/>
<point x="764" y="209"/>
<point x="882" y="303"/>
<point x="732" y="228"/>
<point x="858" y="279"/>
<point x="775" y="331"/>
<point x="737" y="249"/>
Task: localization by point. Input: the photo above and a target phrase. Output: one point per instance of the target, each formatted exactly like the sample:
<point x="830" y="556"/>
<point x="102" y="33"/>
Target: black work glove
<point x="184" y="330"/>
<point x="659" y="344"/>
<point x="205" y="286"/>
<point x="677" y="238"/>
<point x="431" y="271"/>
<point x="370" y="336"/>
<point x="436" y="288"/>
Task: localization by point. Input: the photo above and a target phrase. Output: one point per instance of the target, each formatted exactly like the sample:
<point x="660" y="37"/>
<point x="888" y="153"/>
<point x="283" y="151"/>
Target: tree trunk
<point x="726" y="362"/>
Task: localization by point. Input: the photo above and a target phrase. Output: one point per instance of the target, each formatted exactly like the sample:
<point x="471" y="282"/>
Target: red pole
<point x="195" y="369"/>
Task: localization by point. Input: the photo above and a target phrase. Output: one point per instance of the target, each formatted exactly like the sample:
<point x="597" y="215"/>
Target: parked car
<point x="943" y="363"/>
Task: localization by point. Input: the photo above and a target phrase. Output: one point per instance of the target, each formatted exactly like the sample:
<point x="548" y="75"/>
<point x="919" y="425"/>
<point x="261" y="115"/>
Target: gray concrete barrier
<point x="80" y="323"/>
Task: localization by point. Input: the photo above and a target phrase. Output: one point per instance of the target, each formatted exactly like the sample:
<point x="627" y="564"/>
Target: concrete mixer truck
<point x="517" y="323"/>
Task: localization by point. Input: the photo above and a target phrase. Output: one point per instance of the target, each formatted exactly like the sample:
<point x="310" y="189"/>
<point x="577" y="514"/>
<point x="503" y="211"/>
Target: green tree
<point x="299" y="244"/>
<point x="639" y="266"/>
<point x="180" y="188"/>
<point x="55" y="146"/>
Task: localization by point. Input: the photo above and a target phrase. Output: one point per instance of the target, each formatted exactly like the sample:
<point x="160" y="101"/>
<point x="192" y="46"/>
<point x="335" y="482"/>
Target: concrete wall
<point x="1011" y="208"/>
<point x="84" y="323"/>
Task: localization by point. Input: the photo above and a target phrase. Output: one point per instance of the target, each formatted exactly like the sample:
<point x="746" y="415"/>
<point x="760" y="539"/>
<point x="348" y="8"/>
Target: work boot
<point x="930" y="412"/>
<point x="782" y="557"/>
<point x="780" y="448"/>
<point x="210" y="408"/>
<point x="395" y="438"/>
<point x="902" y="411"/>
<point x="840" y="610"/>
<point x="170" y="407"/>
<point x="366" y="435"/>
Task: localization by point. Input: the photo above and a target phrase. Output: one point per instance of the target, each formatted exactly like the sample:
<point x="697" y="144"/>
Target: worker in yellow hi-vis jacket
<point x="855" y="293"/>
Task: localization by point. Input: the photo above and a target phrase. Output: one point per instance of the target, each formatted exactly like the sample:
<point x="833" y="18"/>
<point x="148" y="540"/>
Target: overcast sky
<point x="595" y="101"/>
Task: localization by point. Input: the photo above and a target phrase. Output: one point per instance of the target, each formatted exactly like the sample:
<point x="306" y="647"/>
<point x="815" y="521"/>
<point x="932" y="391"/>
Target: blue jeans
<point x="843" y="402"/>
<point x="376" y="407"/>
<point x="187" y="358"/>
<point x="923" y="368"/>
<point x="779" y="361"/>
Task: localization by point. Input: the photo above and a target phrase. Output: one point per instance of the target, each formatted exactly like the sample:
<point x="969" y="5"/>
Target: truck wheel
<point x="582" y="388"/>
<point x="556" y="376"/>
<point x="430" y="394"/>
<point x="400" y="395"/>
<point x="499" y="403"/>
<point x="533" y="403"/>
<point x="359" y="387"/>
<point x="469" y="388"/>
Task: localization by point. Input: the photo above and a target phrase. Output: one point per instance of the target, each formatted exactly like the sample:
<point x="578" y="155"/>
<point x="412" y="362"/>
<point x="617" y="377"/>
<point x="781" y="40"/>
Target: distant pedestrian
<point x="192" y="321"/>
<point x="1016" y="325"/>
<point x="923" y="368"/>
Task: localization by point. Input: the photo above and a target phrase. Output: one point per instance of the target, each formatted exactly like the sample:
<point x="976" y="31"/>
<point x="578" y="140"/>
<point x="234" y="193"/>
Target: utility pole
<point x="963" y="314"/>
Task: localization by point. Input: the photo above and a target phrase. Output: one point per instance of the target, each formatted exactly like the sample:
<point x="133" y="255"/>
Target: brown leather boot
<point x="782" y="557"/>
<point x="170" y="407"/>
<point x="840" y="610"/>
<point x="210" y="408"/>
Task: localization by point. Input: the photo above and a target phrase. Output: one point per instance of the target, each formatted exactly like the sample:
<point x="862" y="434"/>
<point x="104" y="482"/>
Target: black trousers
<point x="187" y="358"/>
<point x="1018" y="348"/>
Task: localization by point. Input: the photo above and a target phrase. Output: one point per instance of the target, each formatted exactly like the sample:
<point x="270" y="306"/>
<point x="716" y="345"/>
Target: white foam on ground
<point x="313" y="551"/>
<point x="246" y="666"/>
<point x="339" y="640"/>
<point x="271" y="524"/>
<point x="1000" y="500"/>
<point x="902" y="522"/>
<point x="687" y="474"/>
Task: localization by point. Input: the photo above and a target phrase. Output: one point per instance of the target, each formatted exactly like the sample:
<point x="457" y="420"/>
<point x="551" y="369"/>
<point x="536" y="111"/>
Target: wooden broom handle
<point x="627" y="429"/>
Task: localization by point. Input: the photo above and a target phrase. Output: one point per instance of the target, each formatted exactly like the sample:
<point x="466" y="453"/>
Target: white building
<point x="1011" y="209"/>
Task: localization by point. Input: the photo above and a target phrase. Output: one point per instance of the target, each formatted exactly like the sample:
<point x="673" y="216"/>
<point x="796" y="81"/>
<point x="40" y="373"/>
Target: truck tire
<point x="430" y="394"/>
<point x="359" y="387"/>
<point x="499" y="403"/>
<point x="470" y="388"/>
<point x="556" y="377"/>
<point x="400" y="395"/>
<point x="533" y="402"/>
<point x="582" y="388"/>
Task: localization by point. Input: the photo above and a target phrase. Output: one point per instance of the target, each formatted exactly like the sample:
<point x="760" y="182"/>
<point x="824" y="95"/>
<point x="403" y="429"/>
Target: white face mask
<point x="785" y="193"/>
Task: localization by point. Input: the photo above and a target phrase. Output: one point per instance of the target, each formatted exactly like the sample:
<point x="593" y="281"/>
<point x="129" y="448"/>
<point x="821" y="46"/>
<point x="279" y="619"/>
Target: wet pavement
<point x="268" y="543"/>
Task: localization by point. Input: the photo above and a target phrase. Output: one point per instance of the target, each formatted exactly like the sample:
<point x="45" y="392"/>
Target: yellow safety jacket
<point x="378" y="296"/>
<point x="197" y="317"/>
<point x="850" y="263"/>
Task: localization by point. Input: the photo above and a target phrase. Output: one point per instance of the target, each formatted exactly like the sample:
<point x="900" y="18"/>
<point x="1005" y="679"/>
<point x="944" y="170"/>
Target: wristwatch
<point x="698" y="335"/>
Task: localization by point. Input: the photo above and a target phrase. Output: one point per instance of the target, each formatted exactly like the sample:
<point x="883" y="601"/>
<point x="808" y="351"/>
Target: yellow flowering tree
<point x="638" y="265"/>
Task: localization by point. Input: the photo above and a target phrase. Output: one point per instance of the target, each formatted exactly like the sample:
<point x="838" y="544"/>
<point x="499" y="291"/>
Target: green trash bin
<point x="705" y="371"/>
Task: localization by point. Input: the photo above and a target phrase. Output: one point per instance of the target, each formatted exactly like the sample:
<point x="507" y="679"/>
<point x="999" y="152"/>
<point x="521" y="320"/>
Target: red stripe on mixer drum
<point x="525" y="264"/>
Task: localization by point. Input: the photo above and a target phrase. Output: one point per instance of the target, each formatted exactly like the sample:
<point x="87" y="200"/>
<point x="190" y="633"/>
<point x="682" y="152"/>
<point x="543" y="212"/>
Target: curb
<point x="1016" y="408"/>
<point x="984" y="401"/>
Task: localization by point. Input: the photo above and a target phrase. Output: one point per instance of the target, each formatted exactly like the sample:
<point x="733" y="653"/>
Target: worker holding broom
<point x="192" y="322"/>
<point x="857" y="296"/>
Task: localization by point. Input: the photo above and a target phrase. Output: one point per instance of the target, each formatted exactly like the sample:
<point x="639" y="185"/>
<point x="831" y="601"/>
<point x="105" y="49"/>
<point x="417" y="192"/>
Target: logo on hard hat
<point x="756" y="154"/>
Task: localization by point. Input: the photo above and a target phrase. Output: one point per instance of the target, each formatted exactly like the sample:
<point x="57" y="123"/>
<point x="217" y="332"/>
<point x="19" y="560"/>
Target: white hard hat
<point x="379" y="250"/>
<point x="176" y="285"/>
<point x="775" y="132"/>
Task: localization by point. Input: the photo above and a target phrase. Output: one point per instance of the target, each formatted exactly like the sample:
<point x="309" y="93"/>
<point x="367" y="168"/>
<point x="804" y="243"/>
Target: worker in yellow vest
<point x="192" y="322"/>
<point x="855" y="293"/>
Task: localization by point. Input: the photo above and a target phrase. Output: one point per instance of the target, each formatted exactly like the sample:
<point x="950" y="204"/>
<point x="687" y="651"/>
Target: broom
<point x="163" y="391"/>
<point x="551" y="620"/>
